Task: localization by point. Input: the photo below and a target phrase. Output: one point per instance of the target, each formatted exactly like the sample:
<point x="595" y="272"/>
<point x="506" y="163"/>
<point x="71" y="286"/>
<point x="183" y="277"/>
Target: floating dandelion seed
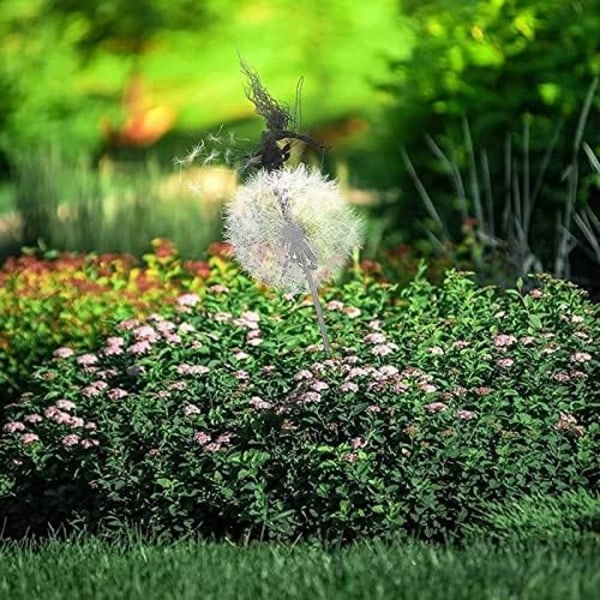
<point x="215" y="137"/>
<point x="292" y="229"/>
<point x="211" y="157"/>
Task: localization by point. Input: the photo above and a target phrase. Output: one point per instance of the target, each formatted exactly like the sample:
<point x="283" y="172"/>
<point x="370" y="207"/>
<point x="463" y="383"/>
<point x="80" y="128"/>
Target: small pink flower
<point x="88" y="443"/>
<point x="375" y="338"/>
<point x="537" y="294"/>
<point x="65" y="404"/>
<point x="334" y="305"/>
<point x="578" y="374"/>
<point x="356" y="372"/>
<point x="94" y="389"/>
<point x="436" y="407"/>
<point x="87" y="360"/>
<point x="33" y="418"/>
<point x="224" y="439"/>
<point x="115" y="340"/>
<point x="428" y="388"/>
<point x="399" y="388"/>
<point x="75" y="422"/>
<point x="146" y="333"/>
<point x="63" y="352"/>
<point x="186" y="328"/>
<point x="201" y="438"/>
<point x="188" y="300"/>
<point x="251" y="316"/>
<point x="165" y="327"/>
<point x="465" y="415"/>
<point x="459" y="391"/>
<point x="505" y="363"/>
<point x="318" y="386"/>
<point x="128" y="324"/>
<point x="351" y="457"/>
<point x="527" y="340"/>
<point x="303" y="374"/>
<point x="373" y="408"/>
<point x="70" y="440"/>
<point x="307" y="397"/>
<point x="348" y="386"/>
<point x="259" y="403"/>
<point x="561" y="377"/>
<point x="246" y="323"/>
<point x="352" y="312"/>
<point x="436" y="351"/>
<point x="222" y="316"/>
<point x="375" y="324"/>
<point x="502" y="340"/>
<point x="212" y="447"/>
<point x="358" y="442"/>
<point x="112" y="350"/>
<point x="29" y="438"/>
<point x="140" y="347"/>
<point x="107" y="373"/>
<point x="13" y="426"/>
<point x="117" y="394"/>
<point x="91" y="426"/>
<point x="191" y="409"/>
<point x="241" y="356"/>
<point x="257" y="341"/>
<point x="187" y="369"/>
<point x="383" y="349"/>
<point x="460" y="344"/>
<point x="352" y="359"/>
<point x="483" y="391"/>
<point x="568" y="422"/>
<point x="178" y="385"/>
<point x="387" y="371"/>
<point x="581" y="357"/>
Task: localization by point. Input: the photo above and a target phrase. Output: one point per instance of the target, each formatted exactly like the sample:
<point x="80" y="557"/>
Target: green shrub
<point x="226" y="421"/>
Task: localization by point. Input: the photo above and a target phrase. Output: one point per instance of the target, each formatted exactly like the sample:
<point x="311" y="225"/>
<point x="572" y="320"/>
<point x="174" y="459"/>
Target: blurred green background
<point x="466" y="129"/>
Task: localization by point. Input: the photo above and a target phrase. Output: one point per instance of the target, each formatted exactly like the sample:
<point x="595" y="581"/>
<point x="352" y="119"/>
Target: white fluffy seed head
<point x="254" y="223"/>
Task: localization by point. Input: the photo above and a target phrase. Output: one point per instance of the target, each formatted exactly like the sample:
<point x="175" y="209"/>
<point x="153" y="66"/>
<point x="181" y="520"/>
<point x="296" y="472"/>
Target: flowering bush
<point x="438" y="400"/>
<point x="47" y="302"/>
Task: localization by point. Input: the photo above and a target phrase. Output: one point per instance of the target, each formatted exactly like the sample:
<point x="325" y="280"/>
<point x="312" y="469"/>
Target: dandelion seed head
<point x="257" y="228"/>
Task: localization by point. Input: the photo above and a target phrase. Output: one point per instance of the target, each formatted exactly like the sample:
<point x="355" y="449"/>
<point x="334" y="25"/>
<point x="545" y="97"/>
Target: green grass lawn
<point x="93" y="569"/>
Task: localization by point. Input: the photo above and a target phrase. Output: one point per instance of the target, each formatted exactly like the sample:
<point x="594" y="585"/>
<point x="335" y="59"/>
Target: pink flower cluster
<point x="187" y="369"/>
<point x="260" y="404"/>
<point x="191" y="409"/>
<point x="381" y="347"/>
<point x="114" y="346"/>
<point x="94" y="389"/>
<point x="203" y="440"/>
<point x="567" y="422"/>
<point x="63" y="352"/>
<point x="74" y="440"/>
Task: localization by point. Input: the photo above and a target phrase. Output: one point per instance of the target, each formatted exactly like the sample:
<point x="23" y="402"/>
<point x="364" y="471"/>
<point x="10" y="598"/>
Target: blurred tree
<point x="126" y="27"/>
<point x="499" y="63"/>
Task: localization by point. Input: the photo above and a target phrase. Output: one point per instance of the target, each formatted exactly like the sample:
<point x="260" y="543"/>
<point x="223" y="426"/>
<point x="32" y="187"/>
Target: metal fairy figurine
<point x="270" y="155"/>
